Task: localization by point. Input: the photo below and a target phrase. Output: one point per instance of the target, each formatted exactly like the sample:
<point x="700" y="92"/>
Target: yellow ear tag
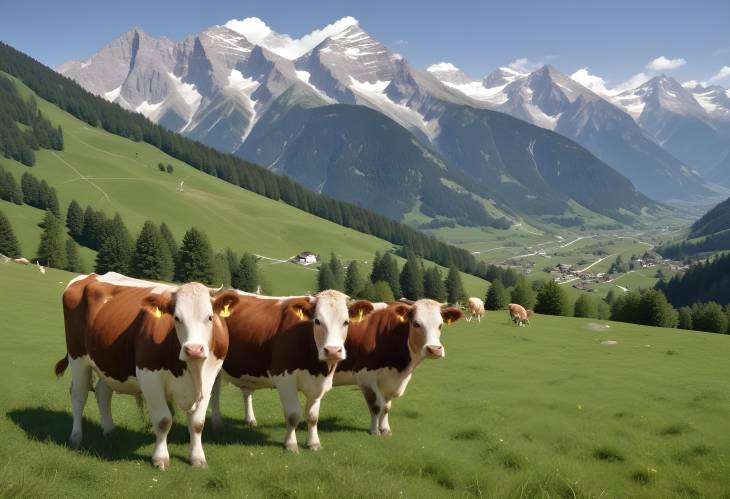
<point x="360" y="313"/>
<point x="157" y="312"/>
<point x="401" y="318"/>
<point x="448" y="322"/>
<point x="300" y="314"/>
<point x="225" y="312"/>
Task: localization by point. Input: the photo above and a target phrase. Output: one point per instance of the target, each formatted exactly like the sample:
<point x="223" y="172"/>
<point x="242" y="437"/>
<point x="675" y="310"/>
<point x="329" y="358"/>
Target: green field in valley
<point x="542" y="411"/>
<point x="118" y="175"/>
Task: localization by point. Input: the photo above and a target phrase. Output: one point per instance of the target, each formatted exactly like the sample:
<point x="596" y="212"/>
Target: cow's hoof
<point x="251" y="423"/>
<point x="375" y="433"/>
<point x="161" y="463"/>
<point x="198" y="462"/>
<point x="385" y="432"/>
<point x="293" y="448"/>
<point x="315" y="446"/>
<point x="75" y="439"/>
<point x="108" y="432"/>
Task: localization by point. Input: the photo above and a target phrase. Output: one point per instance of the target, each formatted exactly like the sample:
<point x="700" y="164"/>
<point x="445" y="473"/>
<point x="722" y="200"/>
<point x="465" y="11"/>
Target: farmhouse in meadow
<point x="305" y="258"/>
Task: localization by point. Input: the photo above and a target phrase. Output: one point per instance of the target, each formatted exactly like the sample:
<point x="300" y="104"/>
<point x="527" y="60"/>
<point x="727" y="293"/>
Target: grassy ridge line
<point x="116" y="174"/>
<point x="543" y="411"/>
<point x="96" y="111"/>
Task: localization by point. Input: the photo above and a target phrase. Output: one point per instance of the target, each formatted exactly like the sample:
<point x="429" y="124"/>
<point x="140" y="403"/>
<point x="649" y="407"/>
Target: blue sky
<point x="615" y="40"/>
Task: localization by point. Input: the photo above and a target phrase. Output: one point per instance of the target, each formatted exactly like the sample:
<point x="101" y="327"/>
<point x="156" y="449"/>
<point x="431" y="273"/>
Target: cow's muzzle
<point x="334" y="353"/>
<point x="435" y="351"/>
<point x="194" y="351"/>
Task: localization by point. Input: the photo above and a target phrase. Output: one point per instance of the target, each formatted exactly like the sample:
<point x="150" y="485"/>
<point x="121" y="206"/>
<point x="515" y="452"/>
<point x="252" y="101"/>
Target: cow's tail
<point x="61" y="366"/>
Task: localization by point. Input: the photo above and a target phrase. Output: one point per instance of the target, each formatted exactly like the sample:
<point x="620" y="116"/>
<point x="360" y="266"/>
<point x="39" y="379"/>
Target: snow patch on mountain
<point x="112" y="95"/>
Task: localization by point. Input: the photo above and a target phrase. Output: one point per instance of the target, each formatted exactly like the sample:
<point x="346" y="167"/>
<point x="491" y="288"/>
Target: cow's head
<point x="426" y="319"/>
<point x="330" y="316"/>
<point x="196" y="311"/>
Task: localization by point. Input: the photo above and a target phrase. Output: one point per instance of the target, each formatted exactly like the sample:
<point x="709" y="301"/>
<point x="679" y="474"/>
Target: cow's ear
<point x="451" y="314"/>
<point x="158" y="304"/>
<point x="303" y="308"/>
<point x="402" y="312"/>
<point x="224" y="303"/>
<point x="360" y="309"/>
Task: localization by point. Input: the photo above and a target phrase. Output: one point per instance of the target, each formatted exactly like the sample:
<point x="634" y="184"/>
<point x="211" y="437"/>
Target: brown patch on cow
<point x="517" y="312"/>
<point x="164" y="425"/>
<point x="292" y="420"/>
<point x="268" y="336"/>
<point x="312" y="421"/>
<point x="198" y="426"/>
<point x="452" y="314"/>
<point x="380" y="340"/>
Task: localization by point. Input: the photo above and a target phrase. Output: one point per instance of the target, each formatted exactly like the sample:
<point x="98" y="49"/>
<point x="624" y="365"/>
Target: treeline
<point x="715" y="220"/>
<point x="97" y="112"/>
<point x="23" y="129"/>
<point x="31" y="191"/>
<point x="386" y="282"/>
<point x="715" y="242"/>
<point x="704" y="282"/>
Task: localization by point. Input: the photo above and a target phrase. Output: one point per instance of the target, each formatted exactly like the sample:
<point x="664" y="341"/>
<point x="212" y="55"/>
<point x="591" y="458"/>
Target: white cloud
<point x="721" y="75"/>
<point x="661" y="63"/>
<point x="258" y="33"/>
<point x="592" y="82"/>
<point x="524" y="65"/>
<point x="401" y="42"/>
<point x="441" y="67"/>
<point x="633" y="82"/>
<point x="690" y="84"/>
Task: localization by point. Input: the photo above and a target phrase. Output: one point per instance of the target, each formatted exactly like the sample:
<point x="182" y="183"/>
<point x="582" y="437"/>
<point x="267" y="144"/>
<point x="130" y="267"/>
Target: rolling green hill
<point x="116" y="174"/>
<point x="709" y="234"/>
<point x="542" y="411"/>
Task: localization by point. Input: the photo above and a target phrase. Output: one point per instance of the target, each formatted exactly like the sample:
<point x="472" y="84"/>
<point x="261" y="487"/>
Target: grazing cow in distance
<point x="385" y="347"/>
<point x="476" y="309"/>
<point x="166" y="343"/>
<point x="292" y="344"/>
<point x="519" y="315"/>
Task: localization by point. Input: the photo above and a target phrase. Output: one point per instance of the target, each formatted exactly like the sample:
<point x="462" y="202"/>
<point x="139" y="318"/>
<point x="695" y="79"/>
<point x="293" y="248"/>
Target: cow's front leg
<point x="383" y="423"/>
<point x="375" y="406"/>
<point x="312" y="419"/>
<point x="286" y="385"/>
<point x="250" y="418"/>
<point x="196" y="421"/>
<point x="104" y="400"/>
<point x="154" y="394"/>
<point x="215" y="402"/>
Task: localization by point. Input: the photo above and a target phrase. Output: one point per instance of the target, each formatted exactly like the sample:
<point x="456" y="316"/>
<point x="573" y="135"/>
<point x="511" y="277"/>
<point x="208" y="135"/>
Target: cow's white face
<point x="330" y="321"/>
<point x="426" y="320"/>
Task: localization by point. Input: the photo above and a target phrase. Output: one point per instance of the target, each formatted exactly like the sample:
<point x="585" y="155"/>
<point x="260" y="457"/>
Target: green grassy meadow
<point x="542" y="411"/>
<point x="118" y="175"/>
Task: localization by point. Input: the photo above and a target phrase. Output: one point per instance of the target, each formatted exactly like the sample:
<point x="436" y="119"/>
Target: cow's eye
<point x="317" y="322"/>
<point x="177" y="319"/>
<point x="441" y="325"/>
<point x="415" y="324"/>
<point x="210" y="318"/>
<point x="346" y="323"/>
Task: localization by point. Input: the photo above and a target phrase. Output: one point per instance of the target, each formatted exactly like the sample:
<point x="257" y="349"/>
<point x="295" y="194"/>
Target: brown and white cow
<point x="166" y="343"/>
<point x="292" y="344"/>
<point x="476" y="309"/>
<point x="518" y="314"/>
<point x="383" y="350"/>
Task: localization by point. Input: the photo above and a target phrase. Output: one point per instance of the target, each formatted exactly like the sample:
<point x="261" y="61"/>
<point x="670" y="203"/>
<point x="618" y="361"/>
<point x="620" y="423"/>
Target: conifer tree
<point x="51" y="250"/>
<point x="434" y="286"/>
<point x="247" y="276"/>
<point x="523" y="293"/>
<point x="337" y="272"/>
<point x="325" y="278"/>
<point x="411" y="278"/>
<point x="454" y="287"/>
<point x="169" y="239"/>
<point x="74" y="263"/>
<point x="552" y="300"/>
<point x="497" y="297"/>
<point x="75" y="220"/>
<point x="151" y="258"/>
<point x="383" y="293"/>
<point x="585" y="306"/>
<point x="194" y="260"/>
<point x="354" y="280"/>
<point x="9" y="245"/>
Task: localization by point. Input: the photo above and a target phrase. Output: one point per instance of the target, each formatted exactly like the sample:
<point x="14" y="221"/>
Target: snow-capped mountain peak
<point x="258" y="33"/>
